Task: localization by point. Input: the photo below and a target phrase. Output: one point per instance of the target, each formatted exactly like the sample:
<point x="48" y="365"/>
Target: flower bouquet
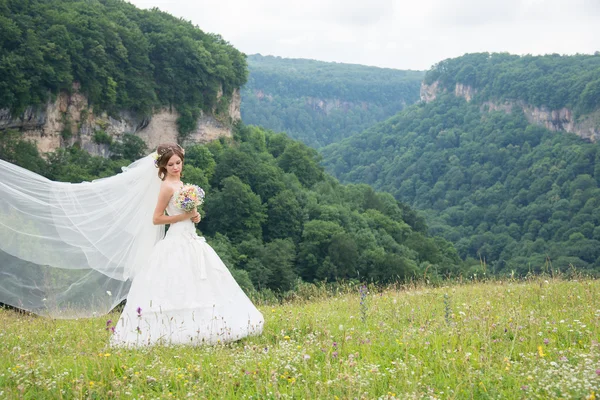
<point x="189" y="197"/>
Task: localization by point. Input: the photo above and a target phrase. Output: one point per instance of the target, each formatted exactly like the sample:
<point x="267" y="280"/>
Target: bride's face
<point x="174" y="166"/>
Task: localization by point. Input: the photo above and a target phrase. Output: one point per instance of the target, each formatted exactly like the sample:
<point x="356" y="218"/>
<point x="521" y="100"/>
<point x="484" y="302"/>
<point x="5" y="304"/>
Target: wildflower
<point x="546" y="341"/>
<point x="334" y="354"/>
<point x="447" y="309"/>
<point x="334" y="344"/>
<point x="306" y="357"/>
<point x="541" y="351"/>
<point x="139" y="311"/>
<point x="286" y="337"/>
<point x="363" y="303"/>
<point x="109" y="322"/>
<point x="155" y="156"/>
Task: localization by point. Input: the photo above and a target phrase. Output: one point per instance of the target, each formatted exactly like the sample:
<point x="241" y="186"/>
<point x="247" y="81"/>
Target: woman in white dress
<point x="185" y="294"/>
<point x="77" y="250"/>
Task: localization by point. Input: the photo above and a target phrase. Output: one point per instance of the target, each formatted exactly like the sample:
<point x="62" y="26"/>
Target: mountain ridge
<point x="322" y="102"/>
<point x="509" y="193"/>
<point x="563" y="119"/>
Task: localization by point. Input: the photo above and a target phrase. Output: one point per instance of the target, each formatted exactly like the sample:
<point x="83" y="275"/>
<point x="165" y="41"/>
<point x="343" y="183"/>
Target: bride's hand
<point x="195" y="217"/>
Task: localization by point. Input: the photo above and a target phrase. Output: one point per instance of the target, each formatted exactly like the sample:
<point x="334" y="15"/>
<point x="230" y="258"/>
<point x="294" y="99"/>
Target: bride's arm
<point x="159" y="217"/>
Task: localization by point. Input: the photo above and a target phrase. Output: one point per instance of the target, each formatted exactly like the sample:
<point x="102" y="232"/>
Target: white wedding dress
<point x="185" y="295"/>
<point x="78" y="250"/>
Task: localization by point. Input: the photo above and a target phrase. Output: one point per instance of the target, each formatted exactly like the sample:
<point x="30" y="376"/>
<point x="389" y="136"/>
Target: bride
<point x="73" y="250"/>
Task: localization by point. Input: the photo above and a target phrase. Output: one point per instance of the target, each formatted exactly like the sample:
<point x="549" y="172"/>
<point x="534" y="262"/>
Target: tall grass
<point x="501" y="340"/>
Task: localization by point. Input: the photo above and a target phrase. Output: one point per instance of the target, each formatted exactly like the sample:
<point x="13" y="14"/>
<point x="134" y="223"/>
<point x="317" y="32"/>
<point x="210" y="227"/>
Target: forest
<point x="273" y="215"/>
<point x="125" y="58"/>
<point x="440" y="189"/>
<point x="320" y="103"/>
<point x="552" y="80"/>
<point x="514" y="198"/>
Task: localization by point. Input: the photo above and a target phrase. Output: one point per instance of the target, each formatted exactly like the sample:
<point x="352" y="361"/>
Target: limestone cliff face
<point x="561" y="120"/>
<point x="429" y="92"/>
<point x="465" y="91"/>
<point x="587" y="127"/>
<point x="262" y="95"/>
<point x="321" y="105"/>
<point x="70" y="119"/>
<point x="327" y="106"/>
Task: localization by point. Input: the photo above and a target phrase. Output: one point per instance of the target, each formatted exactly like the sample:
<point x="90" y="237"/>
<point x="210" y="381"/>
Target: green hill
<point x="319" y="102"/>
<point x="552" y="81"/>
<point x="516" y="196"/>
<point x="124" y="58"/>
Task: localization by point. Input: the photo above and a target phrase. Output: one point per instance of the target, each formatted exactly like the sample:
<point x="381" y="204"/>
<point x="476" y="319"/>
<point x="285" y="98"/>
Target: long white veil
<point x="70" y="250"/>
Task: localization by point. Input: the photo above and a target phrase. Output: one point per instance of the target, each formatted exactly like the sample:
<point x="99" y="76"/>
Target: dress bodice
<point x="183" y="227"/>
<point x="171" y="207"/>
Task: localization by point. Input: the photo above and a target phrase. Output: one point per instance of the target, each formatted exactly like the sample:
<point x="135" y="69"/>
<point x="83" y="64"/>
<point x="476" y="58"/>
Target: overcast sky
<point x="394" y="33"/>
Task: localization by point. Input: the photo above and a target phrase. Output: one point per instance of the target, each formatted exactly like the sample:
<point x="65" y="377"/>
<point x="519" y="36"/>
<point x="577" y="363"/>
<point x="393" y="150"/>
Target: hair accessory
<point x="158" y="155"/>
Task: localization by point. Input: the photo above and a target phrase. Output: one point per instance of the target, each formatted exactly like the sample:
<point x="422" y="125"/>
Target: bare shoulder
<point x="167" y="189"/>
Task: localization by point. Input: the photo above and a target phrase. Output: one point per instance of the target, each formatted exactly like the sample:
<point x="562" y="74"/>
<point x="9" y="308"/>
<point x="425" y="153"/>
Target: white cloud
<point x="394" y="33"/>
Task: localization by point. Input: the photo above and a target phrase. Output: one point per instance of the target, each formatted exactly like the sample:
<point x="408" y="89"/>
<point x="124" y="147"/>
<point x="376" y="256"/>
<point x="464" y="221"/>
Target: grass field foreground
<point x="497" y="340"/>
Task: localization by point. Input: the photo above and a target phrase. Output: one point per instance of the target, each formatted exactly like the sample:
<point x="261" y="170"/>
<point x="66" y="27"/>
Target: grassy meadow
<point x="536" y="339"/>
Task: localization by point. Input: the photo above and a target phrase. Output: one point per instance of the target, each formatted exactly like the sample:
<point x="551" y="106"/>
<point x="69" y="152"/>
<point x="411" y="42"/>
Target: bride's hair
<point x="165" y="151"/>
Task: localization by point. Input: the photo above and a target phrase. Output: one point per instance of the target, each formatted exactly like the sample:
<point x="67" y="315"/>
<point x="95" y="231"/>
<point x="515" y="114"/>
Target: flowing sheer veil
<point x="70" y="250"/>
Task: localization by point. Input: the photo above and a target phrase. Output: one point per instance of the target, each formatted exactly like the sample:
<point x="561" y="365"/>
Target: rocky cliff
<point x="71" y="119"/>
<point x="321" y="105"/>
<point x="587" y="126"/>
<point x="326" y="106"/>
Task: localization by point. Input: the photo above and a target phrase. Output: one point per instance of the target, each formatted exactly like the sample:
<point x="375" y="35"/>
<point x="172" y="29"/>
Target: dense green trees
<point x="553" y="81"/>
<point x="124" y="58"/>
<point x="274" y="216"/>
<point x="321" y="103"/>
<point x="514" y="196"/>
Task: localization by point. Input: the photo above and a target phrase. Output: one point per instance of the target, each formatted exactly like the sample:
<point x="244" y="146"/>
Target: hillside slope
<point x="514" y="195"/>
<point x="86" y="72"/>
<point x="319" y="102"/>
<point x="561" y="93"/>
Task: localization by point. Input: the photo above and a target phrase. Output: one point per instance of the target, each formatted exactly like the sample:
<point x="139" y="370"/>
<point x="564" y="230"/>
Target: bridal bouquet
<point x="189" y="197"/>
